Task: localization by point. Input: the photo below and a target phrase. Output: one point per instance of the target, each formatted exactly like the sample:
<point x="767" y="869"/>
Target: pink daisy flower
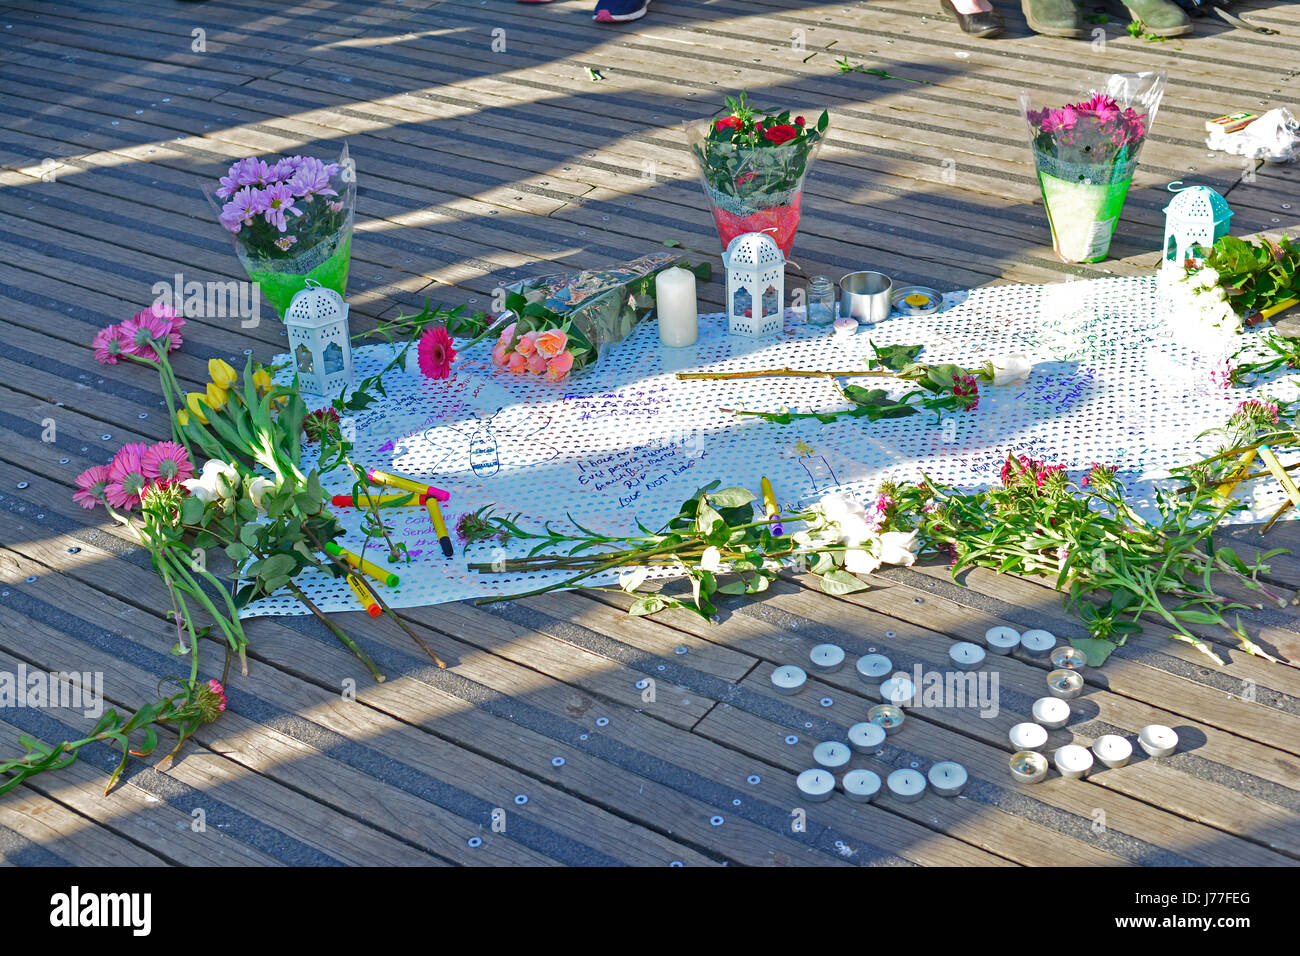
<point x="144" y="331"/>
<point x="436" y="353"/>
<point x="90" y="486"/>
<point x="167" y="462"/>
<point x="110" y="344"/>
<point x="126" y="478"/>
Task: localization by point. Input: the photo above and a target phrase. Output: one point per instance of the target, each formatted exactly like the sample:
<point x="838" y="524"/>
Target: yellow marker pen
<point x="770" y="508"/>
<point x="367" y="600"/>
<point x="435" y="515"/>
<point x="378" y="477"/>
<point x="361" y="564"/>
<point x="1226" y="487"/>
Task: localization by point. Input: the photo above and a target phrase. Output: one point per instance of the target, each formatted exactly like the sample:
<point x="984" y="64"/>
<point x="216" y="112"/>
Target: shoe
<point x="986" y="23"/>
<point x="1160" y="18"/>
<point x="620" y="11"/>
<point x="1053" y="18"/>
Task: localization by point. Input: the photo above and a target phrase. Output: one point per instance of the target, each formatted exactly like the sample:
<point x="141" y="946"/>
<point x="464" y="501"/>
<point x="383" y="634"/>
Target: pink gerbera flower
<point x="110" y="344"/>
<point x="126" y="478"/>
<point x="90" y="486"/>
<point x="436" y="353"/>
<point x="145" y="332"/>
<point x="167" y="462"/>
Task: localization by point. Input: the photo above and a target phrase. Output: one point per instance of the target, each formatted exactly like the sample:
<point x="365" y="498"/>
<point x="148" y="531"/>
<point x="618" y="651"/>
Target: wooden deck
<point x="477" y="167"/>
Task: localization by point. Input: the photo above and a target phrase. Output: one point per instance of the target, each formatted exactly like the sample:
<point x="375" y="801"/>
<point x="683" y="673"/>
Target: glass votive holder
<point x="887" y="716"/>
<point x="1028" y="766"/>
<point x="1065" y="684"/>
<point x="1069" y="657"/>
<point x="821" y="301"/>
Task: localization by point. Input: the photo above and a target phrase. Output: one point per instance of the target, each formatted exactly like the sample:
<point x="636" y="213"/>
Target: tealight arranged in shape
<point x="1069" y="657"/>
<point x="1112" y="750"/>
<point x="866" y="737"/>
<point x="966" y="656"/>
<point x="1027" y="736"/>
<point x="906" y="785"/>
<point x="816" y="785"/>
<point x="1028" y="766"/>
<point x="889" y="717"/>
<point x="1002" y="640"/>
<point x="947" y="778"/>
<point x="1037" y="643"/>
<point x="789" y="679"/>
<point x="1073" y="761"/>
<point x="861" y="786"/>
<point x="1158" y="740"/>
<point x="827" y="658"/>
<point x="1052" y="712"/>
<point x="897" y="690"/>
<point x="832" y="754"/>
<point x="874" y="668"/>
<point x="1065" y="684"/>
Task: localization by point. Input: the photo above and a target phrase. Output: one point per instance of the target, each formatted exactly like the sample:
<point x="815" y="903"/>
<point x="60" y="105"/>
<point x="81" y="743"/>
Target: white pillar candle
<point x="1070" y="658"/>
<point x="1028" y="736"/>
<point x="815" y="785"/>
<point x="897" y="690"/>
<point x="831" y="754"/>
<point x="827" y="658"/>
<point x="1158" y="740"/>
<point x="1037" y="643"/>
<point x="947" y="778"/>
<point x="1052" y="712"/>
<point x="1073" y="761"/>
<point x="1066" y="684"/>
<point x="1028" y="767"/>
<point x="789" y="679"/>
<point x="889" y="717"/>
<point x="866" y="737"/>
<point x="679" y="317"/>
<point x="1112" y="750"/>
<point x="861" y="786"/>
<point x="1002" y="640"/>
<point x="873" y="668"/>
<point x="906" y="785"/>
<point x="966" y="656"/>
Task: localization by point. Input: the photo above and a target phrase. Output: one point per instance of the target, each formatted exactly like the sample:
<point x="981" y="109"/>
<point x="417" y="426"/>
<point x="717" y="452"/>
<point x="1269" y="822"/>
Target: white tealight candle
<point x="679" y="317"/>
<point x="1027" y="736"/>
<point x="866" y="737"/>
<point x="861" y="786"/>
<point x="947" y="778"/>
<point x="831" y="754"/>
<point x="898" y="690"/>
<point x="789" y="679"/>
<point x="906" y="785"/>
<point x="827" y="658"/>
<point x="815" y="785"/>
<point x="1158" y="740"/>
<point x="1112" y="750"/>
<point x="889" y="717"/>
<point x="1065" y="684"/>
<point x="1037" y="643"/>
<point x="1073" y="761"/>
<point x="1070" y="658"/>
<point x="1028" y="767"/>
<point x="966" y="656"/>
<point x="1002" y="640"/>
<point x="1052" y="712"/>
<point x="873" y="668"/>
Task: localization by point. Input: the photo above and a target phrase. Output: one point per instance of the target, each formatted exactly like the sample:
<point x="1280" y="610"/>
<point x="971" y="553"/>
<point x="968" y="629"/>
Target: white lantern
<point x="755" y="285"/>
<point x="1196" y="217"/>
<point x="317" y="322"/>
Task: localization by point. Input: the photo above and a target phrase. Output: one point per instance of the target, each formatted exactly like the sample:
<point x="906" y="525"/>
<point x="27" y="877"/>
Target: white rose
<point x="897" y="547"/>
<point x="711" y="559"/>
<point x="257" y="488"/>
<point x="216" y="482"/>
<point x="1011" y="369"/>
<point x="860" y="561"/>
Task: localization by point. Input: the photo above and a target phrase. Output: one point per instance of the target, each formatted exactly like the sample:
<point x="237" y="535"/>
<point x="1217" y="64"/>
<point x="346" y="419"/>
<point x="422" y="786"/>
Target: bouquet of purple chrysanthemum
<point x="291" y="220"/>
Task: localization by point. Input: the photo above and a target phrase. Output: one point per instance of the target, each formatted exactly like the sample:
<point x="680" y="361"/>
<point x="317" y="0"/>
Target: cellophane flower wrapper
<point x="753" y="188"/>
<point x="321" y="247"/>
<point x="1086" y="147"/>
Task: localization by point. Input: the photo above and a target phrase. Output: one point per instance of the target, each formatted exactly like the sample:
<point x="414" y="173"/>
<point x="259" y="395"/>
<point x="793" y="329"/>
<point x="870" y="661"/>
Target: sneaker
<point x="620" y="11"/>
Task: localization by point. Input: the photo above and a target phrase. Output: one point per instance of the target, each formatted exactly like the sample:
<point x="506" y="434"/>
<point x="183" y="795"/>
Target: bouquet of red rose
<point x="752" y="166"/>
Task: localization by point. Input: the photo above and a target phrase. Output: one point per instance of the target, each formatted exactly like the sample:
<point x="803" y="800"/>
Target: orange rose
<point x="558" y="367"/>
<point x="551" y="343"/>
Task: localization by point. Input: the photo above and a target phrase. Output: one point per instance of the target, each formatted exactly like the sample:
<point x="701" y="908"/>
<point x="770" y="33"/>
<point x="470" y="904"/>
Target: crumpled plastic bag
<point x="1274" y="137"/>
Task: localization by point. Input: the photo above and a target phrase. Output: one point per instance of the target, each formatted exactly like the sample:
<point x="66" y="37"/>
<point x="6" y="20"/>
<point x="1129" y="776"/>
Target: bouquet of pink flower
<point x="291" y="220"/>
<point x="546" y="352"/>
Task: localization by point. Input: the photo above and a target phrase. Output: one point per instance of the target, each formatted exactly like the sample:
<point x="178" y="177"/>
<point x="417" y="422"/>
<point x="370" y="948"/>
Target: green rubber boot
<point x="1160" y="18"/>
<point x="1053" y="18"/>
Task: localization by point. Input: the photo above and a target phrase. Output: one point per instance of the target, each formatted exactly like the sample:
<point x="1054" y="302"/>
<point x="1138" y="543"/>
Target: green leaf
<point x="191" y="511"/>
<point x="1096" y="649"/>
<point x="731" y="497"/>
<point x="840" y="581"/>
<point x="237" y="552"/>
<point x="649" y="604"/>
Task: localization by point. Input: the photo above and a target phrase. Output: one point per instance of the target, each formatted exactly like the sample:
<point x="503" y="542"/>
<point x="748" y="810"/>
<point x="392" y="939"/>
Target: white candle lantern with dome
<point x="317" y="323"/>
<point x="755" y="285"/>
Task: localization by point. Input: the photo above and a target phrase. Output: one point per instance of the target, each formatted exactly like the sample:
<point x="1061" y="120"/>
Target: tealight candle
<point x="1065" y="684"/>
<point x="1112" y="750"/>
<point x="679" y="317"/>
<point x="1002" y="640"/>
<point x="1073" y="761"/>
<point x="889" y="717"/>
<point x="827" y="658"/>
<point x="831" y="754"/>
<point x="1028" y="767"/>
<point x="966" y="656"/>
<point x="815" y="785"/>
<point x="906" y="785"/>
<point x="845" y="327"/>
<point x="1037" y="643"/>
<point x="861" y="786"/>
<point x="948" y="778"/>
<point x="1027" y="736"/>
<point x="872" y="668"/>
<point x="898" y="690"/>
<point x="1052" y="712"/>
<point x="1158" y="740"/>
<point x="866" y="737"/>
<point x="1070" y="658"/>
<point x="789" y="679"/>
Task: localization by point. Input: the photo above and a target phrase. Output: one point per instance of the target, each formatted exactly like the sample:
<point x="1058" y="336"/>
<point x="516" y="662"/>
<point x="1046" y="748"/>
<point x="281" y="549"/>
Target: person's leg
<point x="620" y="11"/>
<point x="976" y="17"/>
<point x="1053" y="18"/>
<point x="1160" y="18"/>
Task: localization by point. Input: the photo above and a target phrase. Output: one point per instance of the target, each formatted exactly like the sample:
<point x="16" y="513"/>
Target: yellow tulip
<point x="216" y="396"/>
<point x="183" y="417"/>
<point x="222" y="373"/>
<point x="262" y="379"/>
<point x="196" y="402"/>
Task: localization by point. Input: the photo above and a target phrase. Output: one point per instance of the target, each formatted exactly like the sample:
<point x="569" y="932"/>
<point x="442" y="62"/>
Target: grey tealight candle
<point x="1028" y="767"/>
<point x="906" y="785"/>
<point x="866" y="737"/>
<point x="861" y="786"/>
<point x="966" y="656"/>
<point x="898" y="691"/>
<point x="1158" y="740"/>
<point x="1027" y="736"/>
<point x="1052" y="712"/>
<point x="832" y="755"/>
<point x="789" y="679"/>
<point x="1073" y="761"/>
<point x="827" y="658"/>
<point x="1070" y="658"/>
<point x="1066" y="684"/>
<point x="947" y="778"/>
<point x="889" y="717"/>
<point x="1112" y="750"/>
<point x="1037" y="642"/>
<point x="874" y="668"/>
<point x="816" y="785"/>
<point x="1002" y="640"/>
